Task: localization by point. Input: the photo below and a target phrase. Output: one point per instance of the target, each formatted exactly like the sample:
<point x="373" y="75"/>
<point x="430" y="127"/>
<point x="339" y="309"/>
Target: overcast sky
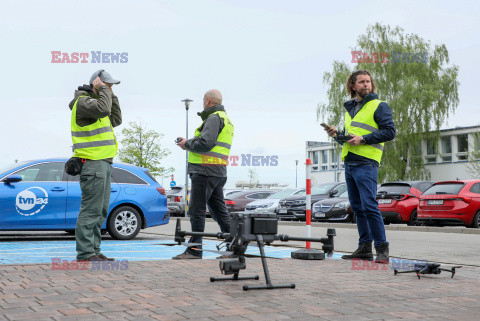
<point x="266" y="57"/>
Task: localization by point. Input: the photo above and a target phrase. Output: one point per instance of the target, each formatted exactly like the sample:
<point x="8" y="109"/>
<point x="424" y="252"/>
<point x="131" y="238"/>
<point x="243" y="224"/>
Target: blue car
<point x="39" y="195"/>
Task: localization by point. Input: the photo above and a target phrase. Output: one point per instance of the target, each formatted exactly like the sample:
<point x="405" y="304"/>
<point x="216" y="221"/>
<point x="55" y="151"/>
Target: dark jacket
<point x="384" y="119"/>
<point x="92" y="107"/>
<point x="210" y="129"/>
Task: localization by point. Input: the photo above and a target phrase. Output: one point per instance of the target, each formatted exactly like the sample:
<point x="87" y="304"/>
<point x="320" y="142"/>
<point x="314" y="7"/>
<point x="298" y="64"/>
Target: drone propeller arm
<point x="452" y="270"/>
<point x="327" y="241"/>
<point x="180" y="235"/>
<point x="286" y="238"/>
<point x="217" y="235"/>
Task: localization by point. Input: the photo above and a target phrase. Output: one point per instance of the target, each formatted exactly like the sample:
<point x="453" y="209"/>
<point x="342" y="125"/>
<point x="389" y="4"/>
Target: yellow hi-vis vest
<point x="96" y="141"/>
<point x="218" y="155"/>
<point x="363" y="124"/>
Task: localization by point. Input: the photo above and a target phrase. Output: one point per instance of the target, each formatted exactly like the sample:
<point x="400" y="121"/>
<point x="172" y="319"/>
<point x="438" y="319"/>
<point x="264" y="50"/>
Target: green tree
<point x="421" y="90"/>
<point x="253" y="177"/>
<point x="141" y="147"/>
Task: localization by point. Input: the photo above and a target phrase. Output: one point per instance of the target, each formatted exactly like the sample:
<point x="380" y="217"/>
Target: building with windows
<point x="446" y="159"/>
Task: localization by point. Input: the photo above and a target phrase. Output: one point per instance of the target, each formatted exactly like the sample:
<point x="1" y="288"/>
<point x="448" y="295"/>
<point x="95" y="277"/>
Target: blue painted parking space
<point x="145" y="250"/>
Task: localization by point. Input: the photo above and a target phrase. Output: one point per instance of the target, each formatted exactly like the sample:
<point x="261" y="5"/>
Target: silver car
<point x="176" y="200"/>
<point x="270" y="204"/>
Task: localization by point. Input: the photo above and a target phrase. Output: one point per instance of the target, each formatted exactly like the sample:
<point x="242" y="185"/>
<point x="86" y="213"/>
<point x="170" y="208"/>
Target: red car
<point x="451" y="202"/>
<point x="398" y="201"/>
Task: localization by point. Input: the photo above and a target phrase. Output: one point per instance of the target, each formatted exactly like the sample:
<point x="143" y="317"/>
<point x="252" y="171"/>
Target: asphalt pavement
<point x="149" y="286"/>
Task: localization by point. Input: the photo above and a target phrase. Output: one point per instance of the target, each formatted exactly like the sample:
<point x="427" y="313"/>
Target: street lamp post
<point x="296" y="167"/>
<point x="187" y="105"/>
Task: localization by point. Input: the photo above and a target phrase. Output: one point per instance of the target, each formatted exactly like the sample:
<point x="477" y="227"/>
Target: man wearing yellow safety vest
<point x="95" y="111"/>
<point x="369" y="123"/>
<point x="207" y="166"/>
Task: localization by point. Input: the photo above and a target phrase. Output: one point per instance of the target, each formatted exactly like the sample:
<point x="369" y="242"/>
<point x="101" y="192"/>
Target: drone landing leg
<point x="395" y="272"/>
<point x="234" y="278"/>
<point x="269" y="284"/>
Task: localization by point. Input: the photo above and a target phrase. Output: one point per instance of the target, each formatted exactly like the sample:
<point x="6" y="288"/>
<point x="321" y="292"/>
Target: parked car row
<point x="235" y="200"/>
<point x="411" y="202"/>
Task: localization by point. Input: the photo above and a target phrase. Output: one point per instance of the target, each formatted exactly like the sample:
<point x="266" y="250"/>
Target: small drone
<point x="428" y="268"/>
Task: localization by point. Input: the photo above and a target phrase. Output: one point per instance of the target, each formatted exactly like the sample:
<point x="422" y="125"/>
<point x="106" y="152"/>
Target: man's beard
<point x="364" y="93"/>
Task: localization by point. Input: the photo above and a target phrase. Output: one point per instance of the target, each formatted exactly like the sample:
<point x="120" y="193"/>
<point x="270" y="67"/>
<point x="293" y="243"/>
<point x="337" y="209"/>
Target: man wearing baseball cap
<point x="95" y="111"/>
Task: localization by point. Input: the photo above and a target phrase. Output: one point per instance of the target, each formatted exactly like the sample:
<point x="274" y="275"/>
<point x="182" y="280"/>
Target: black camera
<point x="232" y="266"/>
<point x="178" y="140"/>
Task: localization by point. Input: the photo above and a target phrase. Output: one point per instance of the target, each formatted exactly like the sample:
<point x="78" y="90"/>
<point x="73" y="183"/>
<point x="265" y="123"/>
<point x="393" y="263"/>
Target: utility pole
<point x="187" y="106"/>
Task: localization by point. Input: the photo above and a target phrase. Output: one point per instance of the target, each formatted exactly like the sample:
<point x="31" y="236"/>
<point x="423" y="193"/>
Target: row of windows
<point x="321" y="157"/>
<point x="55" y="172"/>
<point x="446" y="145"/>
<point x="327" y="167"/>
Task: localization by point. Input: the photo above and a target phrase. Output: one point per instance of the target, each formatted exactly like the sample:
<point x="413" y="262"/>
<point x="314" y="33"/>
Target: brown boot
<point x="103" y="257"/>
<point x="186" y="256"/>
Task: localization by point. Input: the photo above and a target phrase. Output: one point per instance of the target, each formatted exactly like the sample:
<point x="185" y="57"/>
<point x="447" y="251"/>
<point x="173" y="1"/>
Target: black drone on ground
<point x="428" y="268"/>
<point x="245" y="228"/>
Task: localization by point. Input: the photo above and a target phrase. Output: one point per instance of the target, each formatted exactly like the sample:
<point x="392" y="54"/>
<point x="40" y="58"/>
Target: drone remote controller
<point x="341" y="138"/>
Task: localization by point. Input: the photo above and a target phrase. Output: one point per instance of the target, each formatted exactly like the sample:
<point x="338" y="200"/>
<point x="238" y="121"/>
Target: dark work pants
<point x="362" y="193"/>
<point x="95" y="181"/>
<point x="207" y="190"/>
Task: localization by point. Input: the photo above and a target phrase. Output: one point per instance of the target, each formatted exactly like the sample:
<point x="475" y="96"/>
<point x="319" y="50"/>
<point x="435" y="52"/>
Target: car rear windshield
<point x="231" y="193"/>
<point x="394" y="188"/>
<point x="449" y="188"/>
<point x="283" y="193"/>
<point x="122" y="176"/>
<point x="151" y="176"/>
<point x="322" y="188"/>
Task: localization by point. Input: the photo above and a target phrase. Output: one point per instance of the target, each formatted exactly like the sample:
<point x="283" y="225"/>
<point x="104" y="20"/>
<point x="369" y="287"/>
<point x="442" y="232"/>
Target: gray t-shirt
<point x="359" y="106"/>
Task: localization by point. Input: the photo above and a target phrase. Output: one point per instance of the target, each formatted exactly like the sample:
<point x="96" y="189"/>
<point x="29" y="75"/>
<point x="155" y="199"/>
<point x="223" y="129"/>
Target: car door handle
<point x="114" y="190"/>
<point x="57" y="189"/>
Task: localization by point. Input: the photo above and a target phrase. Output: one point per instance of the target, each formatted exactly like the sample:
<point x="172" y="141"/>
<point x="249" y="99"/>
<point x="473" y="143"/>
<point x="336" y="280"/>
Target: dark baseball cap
<point x="104" y="76"/>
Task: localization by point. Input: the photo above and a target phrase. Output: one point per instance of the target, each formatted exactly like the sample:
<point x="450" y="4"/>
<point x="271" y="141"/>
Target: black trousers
<point x="207" y="190"/>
